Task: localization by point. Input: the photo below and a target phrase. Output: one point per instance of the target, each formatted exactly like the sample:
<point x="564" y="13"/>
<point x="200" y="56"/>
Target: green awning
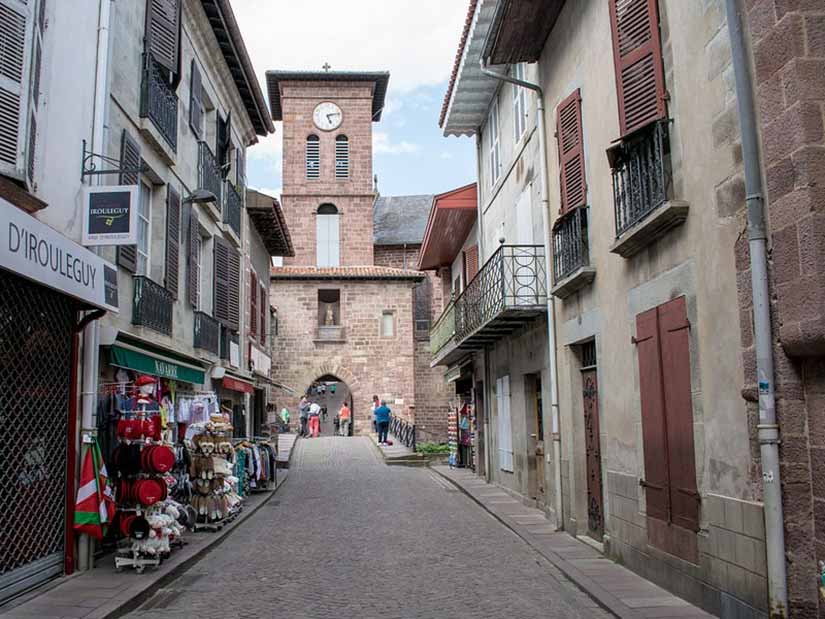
<point x="156" y="366"/>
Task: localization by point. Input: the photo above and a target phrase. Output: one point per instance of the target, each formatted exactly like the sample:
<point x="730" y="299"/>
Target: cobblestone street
<point x="348" y="536"/>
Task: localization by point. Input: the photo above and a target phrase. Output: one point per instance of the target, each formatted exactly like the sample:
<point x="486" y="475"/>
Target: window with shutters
<point x="263" y="307"/>
<point x="163" y="33"/>
<point x="313" y="157"/>
<point x="663" y="350"/>
<point x="226" y="295"/>
<point x="495" y="146"/>
<point x="519" y="103"/>
<point x="144" y="244"/>
<point x="253" y="304"/>
<point x="172" y="266"/>
<point x="194" y="259"/>
<point x="196" y="100"/>
<point x="570" y="138"/>
<point x="505" y="429"/>
<point x="223" y="142"/>
<point x="341" y="157"/>
<point x="470" y="263"/>
<point x="328" y="245"/>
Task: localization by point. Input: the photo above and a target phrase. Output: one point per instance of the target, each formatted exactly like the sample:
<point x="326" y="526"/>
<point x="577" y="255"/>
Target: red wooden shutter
<point x="654" y="431"/>
<point x="129" y="160"/>
<point x="637" y="57"/>
<point x="470" y="263"/>
<point x="253" y="305"/>
<point x="172" y="266"/>
<point x="193" y="283"/>
<point x="264" y="306"/>
<point x="571" y="152"/>
<point x="675" y="342"/>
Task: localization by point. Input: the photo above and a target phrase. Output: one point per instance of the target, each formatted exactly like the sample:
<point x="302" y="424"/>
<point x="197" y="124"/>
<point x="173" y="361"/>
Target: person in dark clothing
<point x="303" y="414"/>
<point x="382" y="422"/>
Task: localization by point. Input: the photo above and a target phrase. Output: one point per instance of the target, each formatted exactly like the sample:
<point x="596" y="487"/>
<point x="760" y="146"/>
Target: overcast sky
<point x="415" y="40"/>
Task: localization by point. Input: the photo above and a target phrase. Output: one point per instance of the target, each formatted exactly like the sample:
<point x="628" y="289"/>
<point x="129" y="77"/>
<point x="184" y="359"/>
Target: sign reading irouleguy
<point x="35" y="251"/>
<point x="110" y="215"/>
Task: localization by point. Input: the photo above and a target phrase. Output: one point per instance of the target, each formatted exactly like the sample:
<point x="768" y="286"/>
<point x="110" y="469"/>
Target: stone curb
<point x="601" y="596"/>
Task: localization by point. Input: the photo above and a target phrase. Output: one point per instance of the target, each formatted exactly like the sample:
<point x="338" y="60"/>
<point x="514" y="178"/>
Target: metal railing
<point x="403" y="432"/>
<point x="443" y="330"/>
<point x="158" y="102"/>
<point x="152" y="305"/>
<point x="209" y="172"/>
<point x="513" y="277"/>
<point x="570" y="244"/>
<point x="227" y="338"/>
<point x="641" y="175"/>
<point x="232" y="209"/>
<point x="207" y="333"/>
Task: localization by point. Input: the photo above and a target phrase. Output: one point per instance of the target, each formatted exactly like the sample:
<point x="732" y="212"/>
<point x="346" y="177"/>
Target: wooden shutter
<point x="470" y="263"/>
<point x="654" y="431"/>
<point x="15" y="27"/>
<point x="193" y="283"/>
<point x="264" y="308"/>
<point x="234" y="281"/>
<point x="131" y="162"/>
<point x="674" y="335"/>
<point x="637" y="58"/>
<point x="221" y="272"/>
<point x="253" y="304"/>
<point x="163" y="32"/>
<point x="195" y="100"/>
<point x="571" y="152"/>
<point x="172" y="266"/>
<point x="222" y="141"/>
<point x="505" y="430"/>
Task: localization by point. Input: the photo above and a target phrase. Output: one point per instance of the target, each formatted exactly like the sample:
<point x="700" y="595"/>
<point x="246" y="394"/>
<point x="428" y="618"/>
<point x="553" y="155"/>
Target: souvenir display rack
<point x="215" y="497"/>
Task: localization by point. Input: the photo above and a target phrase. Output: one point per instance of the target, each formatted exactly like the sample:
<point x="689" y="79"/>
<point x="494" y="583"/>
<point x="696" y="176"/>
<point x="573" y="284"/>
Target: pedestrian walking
<point x="303" y="415"/>
<point x="344" y="418"/>
<point x="284" y="419"/>
<point x="382" y="422"/>
<point x="314" y="419"/>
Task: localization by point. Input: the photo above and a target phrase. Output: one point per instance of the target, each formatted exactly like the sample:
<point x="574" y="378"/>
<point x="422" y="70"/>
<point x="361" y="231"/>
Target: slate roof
<point x="354" y="272"/>
<point x="400" y="219"/>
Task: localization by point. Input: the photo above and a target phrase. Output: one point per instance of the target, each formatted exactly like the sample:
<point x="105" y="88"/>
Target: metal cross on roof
<point x="326" y="66"/>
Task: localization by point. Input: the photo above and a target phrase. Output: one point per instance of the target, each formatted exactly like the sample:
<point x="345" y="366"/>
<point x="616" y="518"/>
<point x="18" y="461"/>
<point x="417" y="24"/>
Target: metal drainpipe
<point x="551" y="323"/>
<point x="768" y="430"/>
<point x="85" y="555"/>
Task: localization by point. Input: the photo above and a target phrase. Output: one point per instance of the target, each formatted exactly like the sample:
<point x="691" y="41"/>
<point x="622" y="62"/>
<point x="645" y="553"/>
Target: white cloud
<point x="381" y="143"/>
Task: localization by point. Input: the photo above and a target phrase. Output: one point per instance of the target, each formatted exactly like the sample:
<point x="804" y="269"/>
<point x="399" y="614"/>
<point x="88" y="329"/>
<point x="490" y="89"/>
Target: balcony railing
<point x="232" y="209"/>
<point x="209" y="172"/>
<point x="513" y="278"/>
<point x="570" y="250"/>
<point x="158" y="102"/>
<point x="207" y="333"/>
<point x="641" y="175"/>
<point x="152" y="305"/>
<point x="227" y="338"/>
<point x="443" y="330"/>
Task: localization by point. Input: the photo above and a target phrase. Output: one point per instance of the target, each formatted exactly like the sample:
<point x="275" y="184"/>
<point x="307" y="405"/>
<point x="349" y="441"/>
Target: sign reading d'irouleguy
<point x="35" y="251"/>
<point x="110" y="215"/>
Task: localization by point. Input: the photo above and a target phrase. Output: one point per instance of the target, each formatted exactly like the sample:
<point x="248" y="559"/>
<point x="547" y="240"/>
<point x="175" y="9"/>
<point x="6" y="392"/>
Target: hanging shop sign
<point x="260" y="362"/>
<point x="156" y="366"/>
<point x="233" y="384"/>
<point x="37" y="252"/>
<point x="110" y="215"/>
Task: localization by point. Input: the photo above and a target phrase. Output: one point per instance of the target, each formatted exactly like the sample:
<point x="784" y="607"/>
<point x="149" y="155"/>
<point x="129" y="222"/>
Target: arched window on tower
<point x="313" y="157"/>
<point x="327" y="238"/>
<point x="341" y="157"/>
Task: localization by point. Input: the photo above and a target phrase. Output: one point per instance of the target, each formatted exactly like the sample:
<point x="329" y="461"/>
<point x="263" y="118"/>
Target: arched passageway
<point x="330" y="393"/>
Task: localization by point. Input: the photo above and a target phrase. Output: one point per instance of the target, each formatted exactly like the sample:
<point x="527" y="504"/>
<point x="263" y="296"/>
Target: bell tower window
<point x="341" y="157"/>
<point x="313" y="157"/>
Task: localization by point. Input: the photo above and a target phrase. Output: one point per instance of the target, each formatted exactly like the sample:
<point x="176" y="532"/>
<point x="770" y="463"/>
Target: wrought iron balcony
<point x="443" y="330"/>
<point x="207" y="333"/>
<point x="232" y="209"/>
<point x="209" y="172"/>
<point x="152" y="305"/>
<point x="571" y="255"/>
<point x="227" y="338"/>
<point x="158" y="102"/>
<point x="509" y="291"/>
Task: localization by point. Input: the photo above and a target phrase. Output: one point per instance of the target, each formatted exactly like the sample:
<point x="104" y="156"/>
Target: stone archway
<point x="348" y="391"/>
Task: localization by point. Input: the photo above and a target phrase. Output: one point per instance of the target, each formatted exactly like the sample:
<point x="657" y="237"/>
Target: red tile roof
<point x="468" y="21"/>
<point x="354" y="272"/>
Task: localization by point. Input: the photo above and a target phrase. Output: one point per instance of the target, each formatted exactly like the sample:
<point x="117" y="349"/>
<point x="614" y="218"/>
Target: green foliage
<point x="432" y="448"/>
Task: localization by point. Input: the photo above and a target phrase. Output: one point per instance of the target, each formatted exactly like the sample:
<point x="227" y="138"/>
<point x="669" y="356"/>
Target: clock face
<point x="327" y="116"/>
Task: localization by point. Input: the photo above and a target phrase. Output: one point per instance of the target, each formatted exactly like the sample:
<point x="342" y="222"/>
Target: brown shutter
<point x="163" y="32"/>
<point x="637" y="58"/>
<point x="470" y="263"/>
<point x="674" y="336"/>
<point x="195" y="102"/>
<point x="654" y="433"/>
<point x="221" y="299"/>
<point x="234" y="280"/>
<point x="14" y="25"/>
<point x="172" y="267"/>
<point x="253" y="305"/>
<point x="571" y="152"/>
<point x="193" y="283"/>
<point x="129" y="161"/>
<point x="264" y="306"/>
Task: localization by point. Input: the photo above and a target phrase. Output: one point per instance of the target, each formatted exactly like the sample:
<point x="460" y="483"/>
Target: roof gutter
<point x="551" y="324"/>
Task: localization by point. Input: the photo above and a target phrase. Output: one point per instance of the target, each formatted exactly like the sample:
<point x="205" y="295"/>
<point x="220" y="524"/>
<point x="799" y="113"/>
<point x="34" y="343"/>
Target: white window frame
<point x="519" y="103"/>
<point x="328" y="239"/>
<point x="147" y="219"/>
<point x="391" y="315"/>
<point x="495" y="143"/>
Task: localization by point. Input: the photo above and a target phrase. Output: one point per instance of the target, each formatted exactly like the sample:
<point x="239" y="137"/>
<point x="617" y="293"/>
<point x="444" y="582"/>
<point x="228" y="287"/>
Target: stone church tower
<point x="342" y="318"/>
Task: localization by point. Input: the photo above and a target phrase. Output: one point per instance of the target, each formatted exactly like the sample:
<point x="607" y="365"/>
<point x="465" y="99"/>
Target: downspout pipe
<point x="551" y="323"/>
<point x="767" y="429"/>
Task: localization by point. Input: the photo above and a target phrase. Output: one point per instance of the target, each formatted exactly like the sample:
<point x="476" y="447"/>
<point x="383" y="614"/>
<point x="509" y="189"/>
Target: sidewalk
<point x="616" y="588"/>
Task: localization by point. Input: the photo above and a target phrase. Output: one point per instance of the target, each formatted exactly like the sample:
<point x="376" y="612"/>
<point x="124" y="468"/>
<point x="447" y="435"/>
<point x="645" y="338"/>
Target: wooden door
<point x="595" y="504"/>
<point x="538" y="424"/>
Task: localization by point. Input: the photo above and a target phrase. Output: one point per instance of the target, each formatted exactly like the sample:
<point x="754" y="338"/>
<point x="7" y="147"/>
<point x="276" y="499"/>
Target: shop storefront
<point x="46" y="282"/>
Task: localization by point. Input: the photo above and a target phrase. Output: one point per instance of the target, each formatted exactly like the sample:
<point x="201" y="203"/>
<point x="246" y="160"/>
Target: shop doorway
<point x="259" y="420"/>
<point x="592" y="442"/>
<point x="535" y="438"/>
<point x="481" y="420"/>
<point x="330" y="393"/>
